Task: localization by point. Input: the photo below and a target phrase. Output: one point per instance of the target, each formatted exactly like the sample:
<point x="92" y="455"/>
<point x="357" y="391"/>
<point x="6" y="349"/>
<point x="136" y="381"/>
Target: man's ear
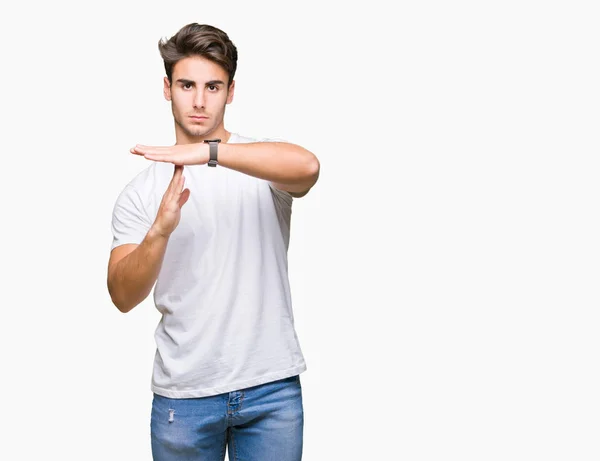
<point x="230" y="92"/>
<point x="167" y="89"/>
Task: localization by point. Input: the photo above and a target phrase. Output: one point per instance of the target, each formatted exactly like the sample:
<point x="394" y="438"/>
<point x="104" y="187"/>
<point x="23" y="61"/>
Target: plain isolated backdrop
<point x="444" y="269"/>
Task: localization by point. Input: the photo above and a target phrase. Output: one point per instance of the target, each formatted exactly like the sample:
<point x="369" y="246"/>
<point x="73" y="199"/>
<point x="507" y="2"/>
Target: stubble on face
<point x="189" y="131"/>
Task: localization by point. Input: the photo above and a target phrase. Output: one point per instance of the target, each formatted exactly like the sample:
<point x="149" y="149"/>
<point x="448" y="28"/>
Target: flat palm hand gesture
<point x="182" y="154"/>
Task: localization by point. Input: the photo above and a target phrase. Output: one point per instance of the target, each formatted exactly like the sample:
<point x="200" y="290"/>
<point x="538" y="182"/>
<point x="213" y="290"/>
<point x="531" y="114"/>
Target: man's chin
<point x="195" y="132"/>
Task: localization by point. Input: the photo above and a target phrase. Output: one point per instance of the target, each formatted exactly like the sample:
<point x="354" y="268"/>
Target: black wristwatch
<point x="213" y="143"/>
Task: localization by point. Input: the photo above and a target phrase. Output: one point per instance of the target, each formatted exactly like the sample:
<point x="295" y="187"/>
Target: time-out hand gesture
<point x="182" y="154"/>
<point x="169" y="211"/>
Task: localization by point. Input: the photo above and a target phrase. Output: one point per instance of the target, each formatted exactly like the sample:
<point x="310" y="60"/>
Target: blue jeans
<point x="260" y="423"/>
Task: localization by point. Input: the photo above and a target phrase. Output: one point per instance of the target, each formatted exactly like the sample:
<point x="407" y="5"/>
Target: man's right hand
<point x="169" y="211"/>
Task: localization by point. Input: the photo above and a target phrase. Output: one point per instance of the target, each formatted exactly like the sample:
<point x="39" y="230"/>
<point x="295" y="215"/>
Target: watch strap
<point x="213" y="148"/>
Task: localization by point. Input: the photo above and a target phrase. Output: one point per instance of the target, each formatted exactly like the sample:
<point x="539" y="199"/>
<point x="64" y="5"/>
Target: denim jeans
<point x="260" y="423"/>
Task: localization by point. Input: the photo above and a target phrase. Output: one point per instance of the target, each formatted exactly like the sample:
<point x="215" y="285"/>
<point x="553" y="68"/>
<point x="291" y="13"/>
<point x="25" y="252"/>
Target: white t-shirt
<point x="223" y="288"/>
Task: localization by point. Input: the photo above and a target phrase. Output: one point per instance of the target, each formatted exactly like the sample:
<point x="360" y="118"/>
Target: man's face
<point x="198" y="95"/>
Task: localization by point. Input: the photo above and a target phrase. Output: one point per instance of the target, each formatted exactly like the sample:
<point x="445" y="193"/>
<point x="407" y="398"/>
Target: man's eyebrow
<point x="185" y="81"/>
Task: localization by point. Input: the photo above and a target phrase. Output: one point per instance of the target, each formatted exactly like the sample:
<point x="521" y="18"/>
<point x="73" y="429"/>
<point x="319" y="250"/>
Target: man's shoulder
<point x="239" y="138"/>
<point x="150" y="174"/>
<point x="147" y="179"/>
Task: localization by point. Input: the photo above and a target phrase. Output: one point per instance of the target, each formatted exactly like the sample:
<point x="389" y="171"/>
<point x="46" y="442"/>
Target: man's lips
<point x="198" y="117"/>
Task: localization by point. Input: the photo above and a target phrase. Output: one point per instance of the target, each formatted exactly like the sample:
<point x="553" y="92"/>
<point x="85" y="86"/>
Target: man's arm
<point x="133" y="268"/>
<point x="287" y="166"/>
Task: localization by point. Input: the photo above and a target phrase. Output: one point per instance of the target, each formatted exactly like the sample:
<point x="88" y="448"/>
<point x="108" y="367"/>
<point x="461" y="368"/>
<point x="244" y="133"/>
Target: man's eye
<point x="212" y="87"/>
<point x="187" y="86"/>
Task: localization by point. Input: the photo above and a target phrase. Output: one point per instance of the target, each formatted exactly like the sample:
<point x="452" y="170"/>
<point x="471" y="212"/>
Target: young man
<point x="213" y="233"/>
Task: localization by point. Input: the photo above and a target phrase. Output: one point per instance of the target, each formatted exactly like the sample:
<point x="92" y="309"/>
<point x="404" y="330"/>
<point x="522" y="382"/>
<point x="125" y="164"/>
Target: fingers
<point x="176" y="183"/>
<point x="179" y="193"/>
<point x="140" y="149"/>
<point x="177" y="175"/>
<point x="164" y="158"/>
<point x="176" y="159"/>
<point x="185" y="195"/>
<point x="158" y="154"/>
<point x="186" y="154"/>
<point x="154" y="149"/>
<point x="178" y="180"/>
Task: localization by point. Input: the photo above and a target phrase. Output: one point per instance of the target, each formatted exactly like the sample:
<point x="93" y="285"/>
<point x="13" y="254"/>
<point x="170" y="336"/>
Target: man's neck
<point x="183" y="138"/>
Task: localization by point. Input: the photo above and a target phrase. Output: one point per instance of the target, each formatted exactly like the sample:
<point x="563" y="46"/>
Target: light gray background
<point x="444" y="269"/>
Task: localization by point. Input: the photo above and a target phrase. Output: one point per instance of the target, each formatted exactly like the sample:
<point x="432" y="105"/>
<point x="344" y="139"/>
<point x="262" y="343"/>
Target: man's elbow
<point x="309" y="176"/>
<point x="312" y="174"/>
<point x="124" y="308"/>
<point x="121" y="302"/>
<point x="313" y="167"/>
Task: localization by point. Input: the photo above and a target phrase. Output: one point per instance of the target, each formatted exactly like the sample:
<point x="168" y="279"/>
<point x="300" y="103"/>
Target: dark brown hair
<point x="199" y="40"/>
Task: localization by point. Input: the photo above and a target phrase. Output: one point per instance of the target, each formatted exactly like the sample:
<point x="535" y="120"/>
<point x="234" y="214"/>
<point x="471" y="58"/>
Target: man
<point x="213" y="233"/>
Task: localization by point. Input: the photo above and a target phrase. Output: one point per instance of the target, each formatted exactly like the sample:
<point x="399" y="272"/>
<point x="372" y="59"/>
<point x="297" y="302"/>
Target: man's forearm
<point x="131" y="279"/>
<point x="289" y="165"/>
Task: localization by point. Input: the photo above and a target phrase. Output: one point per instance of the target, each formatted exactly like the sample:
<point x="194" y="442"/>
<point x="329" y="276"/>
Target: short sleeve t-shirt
<point x="223" y="289"/>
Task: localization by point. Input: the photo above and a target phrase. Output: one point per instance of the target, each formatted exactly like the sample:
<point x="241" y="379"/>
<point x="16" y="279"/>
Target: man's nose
<point x="199" y="99"/>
